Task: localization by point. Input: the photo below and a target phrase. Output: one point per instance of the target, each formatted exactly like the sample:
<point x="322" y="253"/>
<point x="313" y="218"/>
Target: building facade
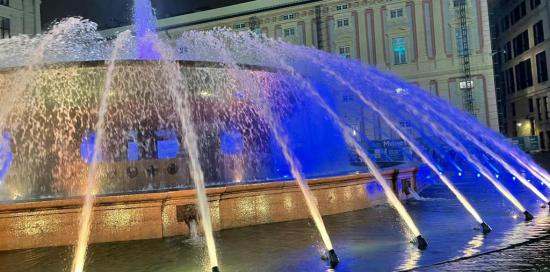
<point x="438" y="44"/>
<point x="521" y="64"/>
<point x="19" y="17"/>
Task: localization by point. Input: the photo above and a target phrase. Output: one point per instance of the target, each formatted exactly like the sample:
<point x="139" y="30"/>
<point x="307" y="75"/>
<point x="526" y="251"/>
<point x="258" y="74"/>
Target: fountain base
<point x="215" y="269"/>
<point x="528" y="216"/>
<point x="421" y="242"/>
<point x="485" y="228"/>
<point x="333" y="258"/>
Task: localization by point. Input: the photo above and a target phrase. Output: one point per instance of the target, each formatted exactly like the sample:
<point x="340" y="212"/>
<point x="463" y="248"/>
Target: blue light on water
<point x="232" y="142"/>
<point x="87" y="147"/>
<point x="6" y="155"/>
<point x="133" y="151"/>
<point x="168" y="145"/>
<point x="145" y="25"/>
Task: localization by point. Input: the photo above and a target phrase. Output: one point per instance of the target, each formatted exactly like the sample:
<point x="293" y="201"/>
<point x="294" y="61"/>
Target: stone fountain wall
<point x="156" y="215"/>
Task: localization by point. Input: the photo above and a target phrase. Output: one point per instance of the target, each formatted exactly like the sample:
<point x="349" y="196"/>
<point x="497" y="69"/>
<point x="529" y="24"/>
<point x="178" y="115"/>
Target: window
<point x="532" y="123"/>
<point x="342" y="7"/>
<point x="517" y="13"/>
<point x="5" y="3"/>
<point x="288" y="17"/>
<point x="240" y="26"/>
<point x="546" y="107"/>
<point x="508" y="51"/>
<point x="4" y="28"/>
<point x="535" y="3"/>
<point x="539" y="111"/>
<point x="524" y="76"/>
<point x="345" y="51"/>
<point x="457" y="3"/>
<point x="289" y="32"/>
<point x="510" y="82"/>
<point x="521" y="43"/>
<point x="505" y="23"/>
<point x="542" y="140"/>
<point x="342" y="22"/>
<point x="542" y="68"/>
<point x="396" y="13"/>
<point x="531" y="107"/>
<point x="513" y="107"/>
<point x="347" y="98"/>
<point x="399" y="50"/>
<point x="538" y="32"/>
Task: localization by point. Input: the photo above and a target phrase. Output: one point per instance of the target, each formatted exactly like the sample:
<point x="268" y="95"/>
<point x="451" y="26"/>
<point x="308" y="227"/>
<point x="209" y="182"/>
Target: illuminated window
<point x="396" y="13"/>
<point x="399" y="46"/>
<point x="342" y="22"/>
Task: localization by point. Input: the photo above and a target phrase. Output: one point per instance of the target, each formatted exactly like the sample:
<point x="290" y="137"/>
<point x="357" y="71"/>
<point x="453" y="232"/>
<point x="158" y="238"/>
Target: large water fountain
<point x="83" y="116"/>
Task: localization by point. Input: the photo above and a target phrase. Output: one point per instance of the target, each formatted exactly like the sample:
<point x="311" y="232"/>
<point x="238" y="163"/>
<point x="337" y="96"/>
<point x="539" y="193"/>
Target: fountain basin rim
<point x="52" y="203"/>
<point x="159" y="215"/>
<point x="182" y="63"/>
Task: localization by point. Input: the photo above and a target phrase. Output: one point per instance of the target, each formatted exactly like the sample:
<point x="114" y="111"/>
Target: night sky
<point x="113" y="13"/>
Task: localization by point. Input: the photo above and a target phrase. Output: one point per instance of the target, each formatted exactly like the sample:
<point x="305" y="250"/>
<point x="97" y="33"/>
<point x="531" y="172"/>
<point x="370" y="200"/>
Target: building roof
<point x="242" y="9"/>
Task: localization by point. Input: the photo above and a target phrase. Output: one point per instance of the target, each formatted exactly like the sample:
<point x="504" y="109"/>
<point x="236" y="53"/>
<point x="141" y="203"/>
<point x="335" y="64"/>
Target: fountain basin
<point x="162" y="214"/>
<point x="51" y="126"/>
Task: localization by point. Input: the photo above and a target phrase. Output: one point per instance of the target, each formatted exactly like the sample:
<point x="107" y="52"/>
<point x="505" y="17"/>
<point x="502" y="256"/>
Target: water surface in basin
<point x="373" y="239"/>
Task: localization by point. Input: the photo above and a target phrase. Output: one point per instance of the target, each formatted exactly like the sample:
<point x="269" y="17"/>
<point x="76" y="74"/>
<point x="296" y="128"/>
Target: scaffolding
<point x="319" y="27"/>
<point x="464" y="52"/>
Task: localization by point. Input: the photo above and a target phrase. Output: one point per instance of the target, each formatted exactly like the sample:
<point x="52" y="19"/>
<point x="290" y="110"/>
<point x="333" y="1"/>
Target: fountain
<point x="94" y="121"/>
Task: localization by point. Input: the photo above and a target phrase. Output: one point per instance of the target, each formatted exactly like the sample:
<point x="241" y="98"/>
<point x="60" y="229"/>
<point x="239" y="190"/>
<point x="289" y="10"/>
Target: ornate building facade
<point x="442" y="45"/>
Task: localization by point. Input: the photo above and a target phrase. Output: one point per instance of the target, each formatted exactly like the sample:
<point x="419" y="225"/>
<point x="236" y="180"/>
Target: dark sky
<point x="112" y="13"/>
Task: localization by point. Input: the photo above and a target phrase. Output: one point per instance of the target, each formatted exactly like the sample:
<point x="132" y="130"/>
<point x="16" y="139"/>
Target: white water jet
<point x="282" y="141"/>
<point x="409" y="141"/>
<point x="180" y="94"/>
<point x="85" y="222"/>
<point x="348" y="136"/>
